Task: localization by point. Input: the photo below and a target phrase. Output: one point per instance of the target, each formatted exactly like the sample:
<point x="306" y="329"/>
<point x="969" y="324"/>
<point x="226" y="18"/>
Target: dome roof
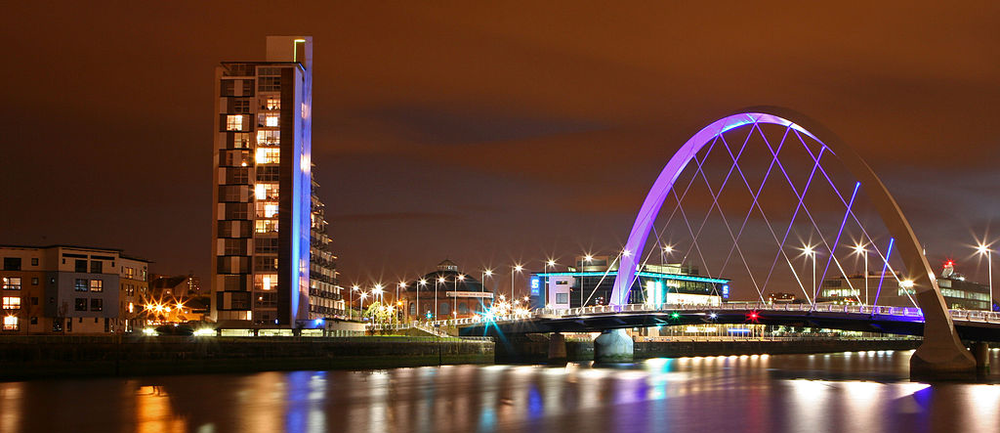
<point x="447" y="277"/>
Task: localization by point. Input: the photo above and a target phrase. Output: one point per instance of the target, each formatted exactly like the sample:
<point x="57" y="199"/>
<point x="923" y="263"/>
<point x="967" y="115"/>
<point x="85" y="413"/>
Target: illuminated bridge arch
<point x="941" y="347"/>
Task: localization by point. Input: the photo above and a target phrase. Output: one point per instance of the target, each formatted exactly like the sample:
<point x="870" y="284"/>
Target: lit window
<point x="11" y="302"/>
<point x="268" y="138"/>
<point x="272" y="103"/>
<point x="131" y="307"/>
<point x="10" y="323"/>
<point x="234" y="122"/>
<point x="81" y="285"/>
<point x="267" y="155"/>
<point x="268" y="119"/>
<point x="12" y="283"/>
<point x="96" y="285"/>
<point x="267" y="209"/>
<point x="267" y="226"/>
<point x="241" y="140"/>
<point x="266" y="191"/>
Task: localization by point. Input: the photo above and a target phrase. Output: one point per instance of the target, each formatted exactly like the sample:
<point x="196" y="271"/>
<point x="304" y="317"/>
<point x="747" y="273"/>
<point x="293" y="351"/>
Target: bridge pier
<point x="613" y="346"/>
<point x="557" y="347"/>
<point x="981" y="351"/>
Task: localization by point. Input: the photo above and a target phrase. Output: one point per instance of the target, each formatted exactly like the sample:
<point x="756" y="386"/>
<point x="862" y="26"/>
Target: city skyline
<point x="530" y="142"/>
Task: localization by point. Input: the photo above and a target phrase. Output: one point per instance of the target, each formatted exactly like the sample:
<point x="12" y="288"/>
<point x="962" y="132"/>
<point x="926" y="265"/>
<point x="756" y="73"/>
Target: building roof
<point x="449" y="271"/>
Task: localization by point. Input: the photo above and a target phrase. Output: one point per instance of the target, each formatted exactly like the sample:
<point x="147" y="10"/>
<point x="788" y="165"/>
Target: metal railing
<point x="597" y="310"/>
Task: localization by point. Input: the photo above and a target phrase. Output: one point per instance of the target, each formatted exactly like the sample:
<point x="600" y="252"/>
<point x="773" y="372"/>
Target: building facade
<point x="591" y="282"/>
<point x="325" y="298"/>
<point x="264" y="215"/>
<point x="447" y="293"/>
<point x="64" y="289"/>
<point x="889" y="290"/>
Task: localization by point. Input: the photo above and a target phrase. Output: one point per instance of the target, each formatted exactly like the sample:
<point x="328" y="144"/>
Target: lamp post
<point x="550" y="263"/>
<point x="377" y="292"/>
<point x="860" y="249"/>
<point x="364" y="295"/>
<point x="422" y="282"/>
<point x="486" y="273"/>
<point x="440" y="280"/>
<point x="984" y="249"/>
<point x="666" y="250"/>
<point x="350" y="310"/>
<point x="402" y="285"/>
<point x="454" y="301"/>
<point x="809" y="252"/>
<point x="587" y="258"/>
<point x="517" y="268"/>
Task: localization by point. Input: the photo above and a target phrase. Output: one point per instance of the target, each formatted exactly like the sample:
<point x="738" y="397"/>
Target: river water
<point x="840" y="392"/>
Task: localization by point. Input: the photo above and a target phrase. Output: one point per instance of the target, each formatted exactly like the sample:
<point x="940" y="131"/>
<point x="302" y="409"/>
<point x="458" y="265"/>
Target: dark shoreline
<point x="32" y="357"/>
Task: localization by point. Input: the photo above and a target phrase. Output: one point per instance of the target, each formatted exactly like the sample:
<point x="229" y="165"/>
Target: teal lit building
<point x="591" y="281"/>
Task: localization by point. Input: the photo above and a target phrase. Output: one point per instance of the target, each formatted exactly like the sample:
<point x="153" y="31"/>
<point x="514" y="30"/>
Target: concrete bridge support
<point x="557" y="347"/>
<point x="613" y="346"/>
<point x="981" y="351"/>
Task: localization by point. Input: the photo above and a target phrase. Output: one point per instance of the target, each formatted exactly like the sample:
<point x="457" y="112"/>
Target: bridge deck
<point x="971" y="325"/>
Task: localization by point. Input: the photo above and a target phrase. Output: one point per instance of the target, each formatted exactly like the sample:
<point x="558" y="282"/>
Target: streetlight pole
<point x="402" y="285"/>
<point x="517" y="268"/>
<point x="380" y="294"/>
<point x="984" y="249"/>
<point x="350" y="310"/>
<point x="860" y="249"/>
<point x="808" y="251"/>
<point x="423" y="282"/>
<point x="586" y="258"/>
<point x="440" y="280"/>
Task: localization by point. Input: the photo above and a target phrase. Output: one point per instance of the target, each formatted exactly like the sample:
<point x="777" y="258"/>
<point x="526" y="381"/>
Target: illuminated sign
<point x="725" y="291"/>
<point x="535" y="285"/>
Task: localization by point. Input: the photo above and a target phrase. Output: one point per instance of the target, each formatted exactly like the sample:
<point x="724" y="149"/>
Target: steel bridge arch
<point x="942" y="349"/>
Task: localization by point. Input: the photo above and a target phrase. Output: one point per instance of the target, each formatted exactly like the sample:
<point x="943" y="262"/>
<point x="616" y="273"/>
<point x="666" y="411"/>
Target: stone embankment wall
<point x="31" y="357"/>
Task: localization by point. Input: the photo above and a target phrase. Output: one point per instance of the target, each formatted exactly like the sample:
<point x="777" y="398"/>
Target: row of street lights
<point x="860" y="249"/>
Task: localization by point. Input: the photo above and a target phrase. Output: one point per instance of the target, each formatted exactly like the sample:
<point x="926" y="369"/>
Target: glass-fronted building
<point x="591" y="282"/>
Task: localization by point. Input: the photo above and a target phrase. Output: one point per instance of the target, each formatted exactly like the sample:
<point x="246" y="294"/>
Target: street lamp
<point x="350" y="310"/>
<point x="666" y="250"/>
<point x="984" y="249"/>
<point x="809" y="252"/>
<point x="402" y="285"/>
<point x="377" y="293"/>
<point x="440" y="280"/>
<point x="587" y="258"/>
<point x="517" y="268"/>
<point x="364" y="295"/>
<point x="860" y="249"/>
<point x="423" y="282"/>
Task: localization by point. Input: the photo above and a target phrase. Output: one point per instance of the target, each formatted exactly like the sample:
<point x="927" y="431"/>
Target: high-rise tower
<point x="263" y="223"/>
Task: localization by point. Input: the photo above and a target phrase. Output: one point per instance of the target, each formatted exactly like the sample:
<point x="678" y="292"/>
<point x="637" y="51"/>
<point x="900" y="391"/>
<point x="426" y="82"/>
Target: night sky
<point x="483" y="134"/>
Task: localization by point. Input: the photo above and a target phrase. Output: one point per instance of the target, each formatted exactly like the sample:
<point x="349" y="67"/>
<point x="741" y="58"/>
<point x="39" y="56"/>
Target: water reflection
<point x="861" y="391"/>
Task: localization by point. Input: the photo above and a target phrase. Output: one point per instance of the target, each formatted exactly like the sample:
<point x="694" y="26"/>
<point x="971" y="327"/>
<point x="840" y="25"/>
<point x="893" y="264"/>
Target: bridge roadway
<point x="971" y="325"/>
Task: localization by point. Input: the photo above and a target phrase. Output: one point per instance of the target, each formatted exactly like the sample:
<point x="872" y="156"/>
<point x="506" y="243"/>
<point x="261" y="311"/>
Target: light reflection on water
<point x="860" y="391"/>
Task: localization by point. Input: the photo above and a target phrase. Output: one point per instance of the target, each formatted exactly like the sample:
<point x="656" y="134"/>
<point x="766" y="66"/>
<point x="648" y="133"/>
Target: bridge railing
<point x="550" y="313"/>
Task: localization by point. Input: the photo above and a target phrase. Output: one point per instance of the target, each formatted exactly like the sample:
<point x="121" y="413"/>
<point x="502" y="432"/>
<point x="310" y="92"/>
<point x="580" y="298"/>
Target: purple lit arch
<point x="941" y="343"/>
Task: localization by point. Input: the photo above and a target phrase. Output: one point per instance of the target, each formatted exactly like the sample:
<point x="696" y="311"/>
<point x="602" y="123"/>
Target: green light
<point x="675" y="315"/>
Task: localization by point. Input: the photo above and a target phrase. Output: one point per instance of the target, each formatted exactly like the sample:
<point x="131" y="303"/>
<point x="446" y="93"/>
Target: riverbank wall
<point x="57" y="356"/>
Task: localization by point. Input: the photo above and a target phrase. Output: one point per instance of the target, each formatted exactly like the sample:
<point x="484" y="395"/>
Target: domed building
<point x="455" y="295"/>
